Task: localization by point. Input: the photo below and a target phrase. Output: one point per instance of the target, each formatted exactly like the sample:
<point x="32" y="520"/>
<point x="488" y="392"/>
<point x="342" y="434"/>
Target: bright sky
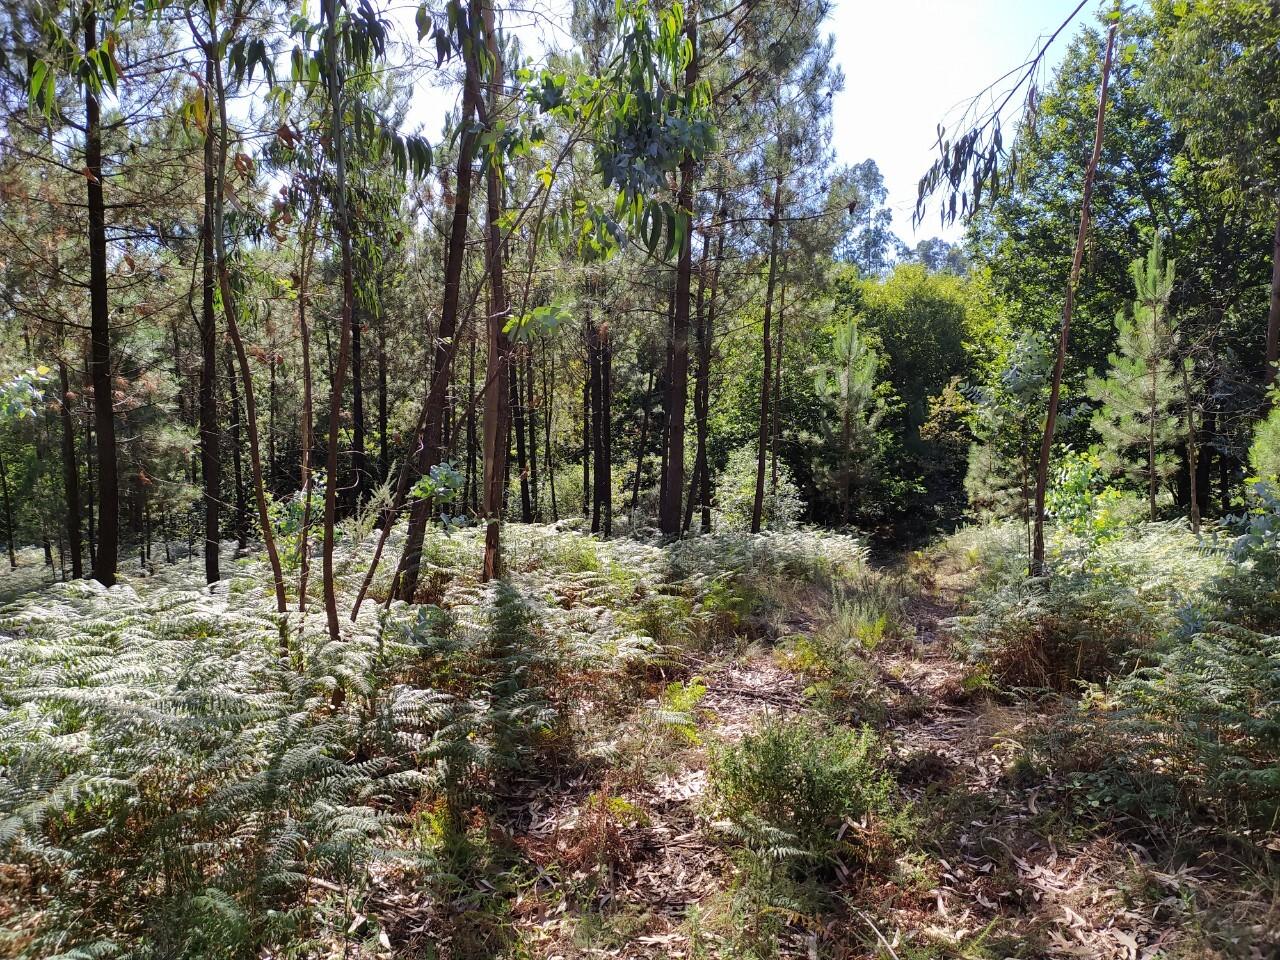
<point x="908" y="65"/>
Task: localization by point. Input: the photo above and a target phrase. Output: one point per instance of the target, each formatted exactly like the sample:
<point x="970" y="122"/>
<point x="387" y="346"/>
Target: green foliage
<point x="1007" y="422"/>
<point x="1264" y="452"/>
<point x="161" y="738"/>
<point x="1080" y="500"/>
<point x="789" y="791"/>
<point x="1136" y="422"/>
<point x="1103" y="611"/>
<point x="736" y="490"/>
<point x="849" y="452"/>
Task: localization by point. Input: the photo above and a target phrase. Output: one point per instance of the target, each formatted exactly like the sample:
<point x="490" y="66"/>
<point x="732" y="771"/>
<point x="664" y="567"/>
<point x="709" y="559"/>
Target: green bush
<point x="786" y="790"/>
<point x="736" y="490"/>
<point x="1102" y="610"/>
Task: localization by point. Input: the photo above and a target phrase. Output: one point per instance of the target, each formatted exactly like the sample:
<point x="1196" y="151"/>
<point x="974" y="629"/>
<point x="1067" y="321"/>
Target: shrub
<point x="786" y="790"/>
<point x="736" y="491"/>
<point x="1105" y="606"/>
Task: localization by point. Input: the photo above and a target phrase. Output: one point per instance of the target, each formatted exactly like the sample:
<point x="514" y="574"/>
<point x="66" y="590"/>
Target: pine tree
<point x="848" y="388"/>
<point x="1136" y="422"/>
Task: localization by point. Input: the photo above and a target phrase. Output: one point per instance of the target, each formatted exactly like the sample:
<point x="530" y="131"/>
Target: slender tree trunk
<point x="777" y="393"/>
<point x="642" y="443"/>
<point x="10" y="531"/>
<point x="271" y="482"/>
<point x="308" y="439"/>
<point x="384" y="456"/>
<point x="105" y="562"/>
<point x="531" y="423"/>
<point x="233" y="332"/>
<point x="70" y="473"/>
<point x="1193" y="446"/>
<point x="471" y="494"/>
<point x="337" y="136"/>
<point x="775" y="229"/>
<point x="91" y="527"/>
<point x="237" y="461"/>
<point x="210" y="453"/>
<point x="496" y="412"/>
<point x="435" y="401"/>
<point x="518" y="422"/>
<point x="586" y="417"/>
<point x="548" y="377"/>
<point x="699" y="385"/>
<point x="594" y="366"/>
<point x="678" y="384"/>
<point x="1273" y="313"/>
<point x="1060" y="361"/>
<point x="359" y="462"/>
<point x="602" y="511"/>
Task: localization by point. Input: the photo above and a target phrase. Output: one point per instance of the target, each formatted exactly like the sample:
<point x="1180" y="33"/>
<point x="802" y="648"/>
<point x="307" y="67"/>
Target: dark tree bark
<point x="548" y="378"/>
<point x="70" y="473"/>
<point x="359" y="462"/>
<point x="210" y="452"/>
<point x="1273" y="313"/>
<point x="435" y="402"/>
<point x="237" y="460"/>
<point x="384" y="456"/>
<point x="518" y="420"/>
<point x="531" y="424"/>
<point x="762" y="448"/>
<point x="107" y="558"/>
<point x="642" y="442"/>
<point x="586" y="418"/>
<point x="10" y="531"/>
<point x="496" y="412"/>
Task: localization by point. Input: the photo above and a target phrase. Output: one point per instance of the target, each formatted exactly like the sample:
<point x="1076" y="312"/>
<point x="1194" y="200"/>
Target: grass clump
<point x="799" y="794"/>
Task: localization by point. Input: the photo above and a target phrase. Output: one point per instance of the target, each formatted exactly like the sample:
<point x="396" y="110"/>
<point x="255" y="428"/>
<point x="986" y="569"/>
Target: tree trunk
<point x="237" y="461"/>
<point x="210" y="453"/>
<point x="642" y="442"/>
<point x="337" y="136"/>
<point x="9" y="529"/>
<point x="762" y="448"/>
<point x="384" y="456"/>
<point x="602" y="494"/>
<point x="548" y="377"/>
<point x="1273" y="313"/>
<point x="1193" y="447"/>
<point x="531" y="424"/>
<point x="699" y="386"/>
<point x="586" y="417"/>
<point x="359" y="464"/>
<point x="678" y="383"/>
<point x="518" y="420"/>
<point x="308" y="432"/>
<point x="104" y="567"/>
<point x="434" y="403"/>
<point x="1055" y="390"/>
<point x="71" y="473"/>
<point x="496" y="412"/>
<point x="777" y="392"/>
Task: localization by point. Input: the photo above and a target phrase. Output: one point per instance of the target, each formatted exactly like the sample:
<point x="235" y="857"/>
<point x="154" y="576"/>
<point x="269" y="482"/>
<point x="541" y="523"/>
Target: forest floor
<point x="998" y="865"/>
<point x="609" y="844"/>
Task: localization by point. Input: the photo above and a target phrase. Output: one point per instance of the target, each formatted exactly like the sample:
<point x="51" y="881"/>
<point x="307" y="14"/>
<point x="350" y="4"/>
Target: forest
<point x="577" y="524"/>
